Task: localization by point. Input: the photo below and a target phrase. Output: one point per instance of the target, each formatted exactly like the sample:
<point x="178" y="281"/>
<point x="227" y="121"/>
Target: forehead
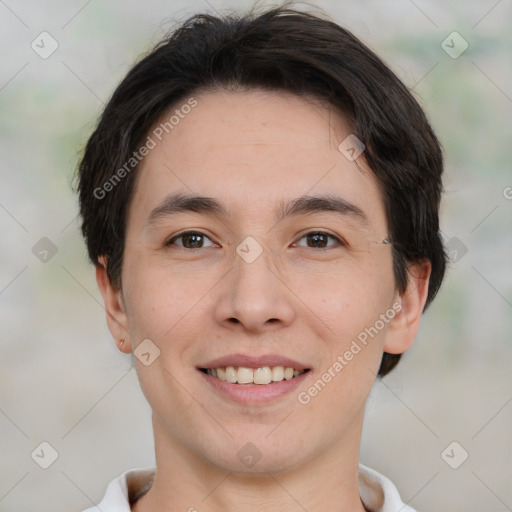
<point x="253" y="150"/>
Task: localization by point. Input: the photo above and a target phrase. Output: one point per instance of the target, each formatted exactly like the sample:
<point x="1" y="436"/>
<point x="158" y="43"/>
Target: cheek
<point x="352" y="349"/>
<point x="350" y="300"/>
<point x="171" y="309"/>
<point x="160" y="296"/>
<point x="349" y="306"/>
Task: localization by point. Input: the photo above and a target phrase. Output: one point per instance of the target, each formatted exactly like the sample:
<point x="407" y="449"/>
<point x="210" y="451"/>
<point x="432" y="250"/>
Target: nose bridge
<point x="255" y="293"/>
<point x="253" y="262"/>
<point x="252" y="274"/>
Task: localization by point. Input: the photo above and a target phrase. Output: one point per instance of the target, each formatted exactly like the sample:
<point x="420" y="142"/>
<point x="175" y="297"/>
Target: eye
<point x="196" y="240"/>
<point x="319" y="240"/>
<point x="189" y="240"/>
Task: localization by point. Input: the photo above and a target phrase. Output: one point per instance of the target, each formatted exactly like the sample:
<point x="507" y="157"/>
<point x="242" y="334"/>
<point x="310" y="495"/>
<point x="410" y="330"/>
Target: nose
<point x="254" y="297"/>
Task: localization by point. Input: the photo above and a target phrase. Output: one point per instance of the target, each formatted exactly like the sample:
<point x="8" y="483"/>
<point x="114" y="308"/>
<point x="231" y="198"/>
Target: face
<point x="255" y="277"/>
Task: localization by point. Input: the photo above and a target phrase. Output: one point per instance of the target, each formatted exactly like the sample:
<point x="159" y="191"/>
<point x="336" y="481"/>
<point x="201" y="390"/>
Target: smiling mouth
<point x="263" y="375"/>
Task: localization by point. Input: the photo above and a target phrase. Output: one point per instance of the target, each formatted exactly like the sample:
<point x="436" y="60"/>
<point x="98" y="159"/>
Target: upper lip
<point x="254" y="362"/>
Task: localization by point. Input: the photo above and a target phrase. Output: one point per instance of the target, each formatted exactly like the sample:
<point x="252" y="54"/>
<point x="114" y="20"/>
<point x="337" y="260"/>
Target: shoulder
<point x="125" y="490"/>
<point x="378" y="493"/>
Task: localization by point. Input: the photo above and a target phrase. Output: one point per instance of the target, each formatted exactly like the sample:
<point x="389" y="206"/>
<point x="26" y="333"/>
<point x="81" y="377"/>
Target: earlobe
<point x="114" y="308"/>
<point x="404" y="326"/>
<point x="122" y="347"/>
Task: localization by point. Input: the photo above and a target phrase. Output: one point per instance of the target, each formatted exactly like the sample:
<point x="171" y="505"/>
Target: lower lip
<point x="253" y="394"/>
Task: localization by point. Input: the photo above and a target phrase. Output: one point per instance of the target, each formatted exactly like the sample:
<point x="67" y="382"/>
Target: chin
<point x="259" y="457"/>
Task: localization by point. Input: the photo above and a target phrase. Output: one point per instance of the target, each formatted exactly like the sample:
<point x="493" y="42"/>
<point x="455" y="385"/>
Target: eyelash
<point x="339" y="240"/>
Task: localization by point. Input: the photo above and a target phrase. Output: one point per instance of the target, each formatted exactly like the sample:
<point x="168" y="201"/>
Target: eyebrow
<point x="303" y="205"/>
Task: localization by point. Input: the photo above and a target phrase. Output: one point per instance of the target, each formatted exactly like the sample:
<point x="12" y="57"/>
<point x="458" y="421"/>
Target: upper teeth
<point x="263" y="375"/>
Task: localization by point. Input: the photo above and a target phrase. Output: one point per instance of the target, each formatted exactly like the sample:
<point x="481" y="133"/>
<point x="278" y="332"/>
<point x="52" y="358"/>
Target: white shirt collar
<point x="377" y="492"/>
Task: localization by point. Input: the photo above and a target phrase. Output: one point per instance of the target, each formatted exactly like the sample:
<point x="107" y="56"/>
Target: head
<point x="238" y="127"/>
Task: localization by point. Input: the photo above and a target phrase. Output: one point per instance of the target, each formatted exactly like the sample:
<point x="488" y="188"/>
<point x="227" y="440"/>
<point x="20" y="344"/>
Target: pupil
<point x="196" y="240"/>
<point x="318" y="239"/>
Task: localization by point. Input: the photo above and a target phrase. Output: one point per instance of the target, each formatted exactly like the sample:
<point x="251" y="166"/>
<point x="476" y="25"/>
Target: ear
<point x="402" y="329"/>
<point x="114" y="308"/>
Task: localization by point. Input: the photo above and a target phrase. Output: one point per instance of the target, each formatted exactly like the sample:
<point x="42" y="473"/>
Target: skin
<point x="251" y="149"/>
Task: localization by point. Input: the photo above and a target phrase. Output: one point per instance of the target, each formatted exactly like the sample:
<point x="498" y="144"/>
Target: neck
<point x="185" y="481"/>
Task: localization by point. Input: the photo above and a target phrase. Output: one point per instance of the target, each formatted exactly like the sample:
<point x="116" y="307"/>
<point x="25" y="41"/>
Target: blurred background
<point x="439" y="426"/>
